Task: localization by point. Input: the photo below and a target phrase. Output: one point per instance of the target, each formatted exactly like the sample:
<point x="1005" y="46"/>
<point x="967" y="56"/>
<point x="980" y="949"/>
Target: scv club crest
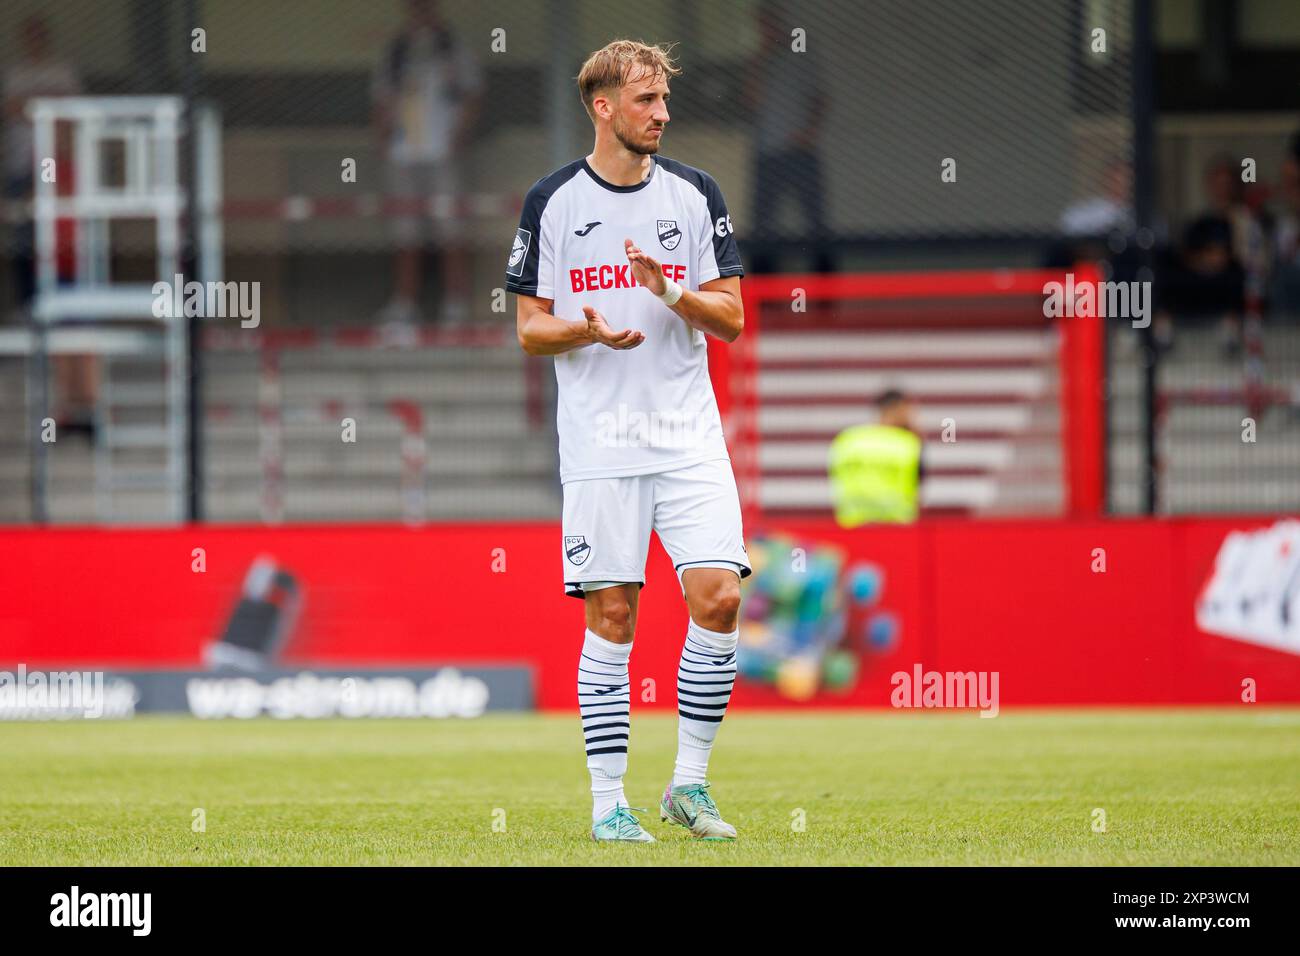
<point x="576" y="549"/>
<point x="669" y="234"/>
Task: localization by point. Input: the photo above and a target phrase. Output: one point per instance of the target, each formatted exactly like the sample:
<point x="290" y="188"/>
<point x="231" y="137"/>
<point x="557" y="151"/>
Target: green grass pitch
<point x="1177" y="787"/>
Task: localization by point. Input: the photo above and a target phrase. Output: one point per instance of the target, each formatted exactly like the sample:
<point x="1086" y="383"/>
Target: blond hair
<point x="609" y="67"/>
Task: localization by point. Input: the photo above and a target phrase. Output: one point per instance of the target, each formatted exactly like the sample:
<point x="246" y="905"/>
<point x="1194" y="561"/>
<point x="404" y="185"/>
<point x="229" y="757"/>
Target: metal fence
<point x="1226" y="414"/>
<point x="829" y="125"/>
<point x="823" y="121"/>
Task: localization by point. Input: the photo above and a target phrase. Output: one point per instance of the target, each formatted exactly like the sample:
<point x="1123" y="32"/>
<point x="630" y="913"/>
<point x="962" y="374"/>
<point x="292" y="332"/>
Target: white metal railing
<point x="73" y="184"/>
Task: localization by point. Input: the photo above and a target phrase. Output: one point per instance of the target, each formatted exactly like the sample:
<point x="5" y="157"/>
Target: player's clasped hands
<point x="648" y="273"/>
<point x="601" y="332"/>
<point x="645" y="269"/>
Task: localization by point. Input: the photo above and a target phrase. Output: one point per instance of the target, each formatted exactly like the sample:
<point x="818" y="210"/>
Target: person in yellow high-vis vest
<point x="875" y="470"/>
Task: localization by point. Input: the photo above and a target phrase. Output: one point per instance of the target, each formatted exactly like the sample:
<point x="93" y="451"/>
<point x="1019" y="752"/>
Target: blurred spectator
<point x="1285" y="286"/>
<point x="40" y="72"/>
<point x="1220" y="270"/>
<point x="1228" y="204"/>
<point x="1103" y="227"/>
<point x="427" y="93"/>
<point x="784" y="94"/>
<point x="875" y="470"/>
<point x="1098" y="217"/>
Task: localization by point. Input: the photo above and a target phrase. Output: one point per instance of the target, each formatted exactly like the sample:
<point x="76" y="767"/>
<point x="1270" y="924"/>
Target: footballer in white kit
<point x="623" y="262"/>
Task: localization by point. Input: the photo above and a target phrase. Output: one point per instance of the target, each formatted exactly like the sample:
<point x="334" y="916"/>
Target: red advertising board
<point x="1066" y="612"/>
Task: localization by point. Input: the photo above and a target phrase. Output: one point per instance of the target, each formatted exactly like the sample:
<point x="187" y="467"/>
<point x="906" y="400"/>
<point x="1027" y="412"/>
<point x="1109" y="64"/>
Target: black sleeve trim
<point x="521" y="289"/>
<point x="725" y="252"/>
<point x="525" y="251"/>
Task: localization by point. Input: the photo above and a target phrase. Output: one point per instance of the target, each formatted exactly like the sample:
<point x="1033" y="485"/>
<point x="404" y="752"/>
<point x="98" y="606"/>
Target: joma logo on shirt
<point x="616" y="277"/>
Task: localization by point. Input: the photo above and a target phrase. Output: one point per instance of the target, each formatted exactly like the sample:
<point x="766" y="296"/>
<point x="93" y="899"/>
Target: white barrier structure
<point x="93" y="313"/>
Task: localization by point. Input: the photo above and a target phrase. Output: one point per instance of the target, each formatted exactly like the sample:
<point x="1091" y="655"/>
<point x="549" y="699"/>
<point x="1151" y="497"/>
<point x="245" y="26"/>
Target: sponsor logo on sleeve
<point x="518" y="252"/>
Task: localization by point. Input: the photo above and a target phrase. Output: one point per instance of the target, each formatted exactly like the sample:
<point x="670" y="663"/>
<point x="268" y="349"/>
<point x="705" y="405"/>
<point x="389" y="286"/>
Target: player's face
<point x="642" y="114"/>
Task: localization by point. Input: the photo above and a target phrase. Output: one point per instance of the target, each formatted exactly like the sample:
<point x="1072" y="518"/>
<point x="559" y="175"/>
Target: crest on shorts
<point x="669" y="234"/>
<point x="576" y="549"/>
<point x="523" y="238"/>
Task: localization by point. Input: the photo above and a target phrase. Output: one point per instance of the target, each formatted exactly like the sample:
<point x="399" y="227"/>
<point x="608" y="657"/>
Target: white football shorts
<point x="607" y="522"/>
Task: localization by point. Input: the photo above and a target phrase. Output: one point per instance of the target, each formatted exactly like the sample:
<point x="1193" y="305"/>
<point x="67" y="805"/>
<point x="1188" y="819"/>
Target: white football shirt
<point x="627" y="411"/>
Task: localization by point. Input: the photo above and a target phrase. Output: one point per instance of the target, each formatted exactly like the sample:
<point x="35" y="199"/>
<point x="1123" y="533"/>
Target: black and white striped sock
<point x="705" y="676"/>
<point x="604" y="699"/>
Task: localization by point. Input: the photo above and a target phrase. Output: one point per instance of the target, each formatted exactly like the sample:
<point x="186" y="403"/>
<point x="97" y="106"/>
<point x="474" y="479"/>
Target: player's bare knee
<point x="719" y="609"/>
<point x="612" y="618"/>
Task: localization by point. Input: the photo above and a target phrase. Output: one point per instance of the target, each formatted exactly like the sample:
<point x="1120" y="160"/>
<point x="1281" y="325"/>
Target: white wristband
<point x="672" y="292"/>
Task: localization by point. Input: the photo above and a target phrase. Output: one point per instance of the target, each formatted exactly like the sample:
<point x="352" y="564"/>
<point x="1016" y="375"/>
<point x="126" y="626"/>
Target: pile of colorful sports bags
<point x="807" y="621"/>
